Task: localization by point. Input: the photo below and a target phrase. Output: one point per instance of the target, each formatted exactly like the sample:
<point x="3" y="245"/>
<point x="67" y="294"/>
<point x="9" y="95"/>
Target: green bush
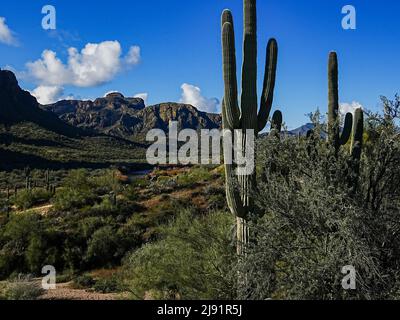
<point x="73" y="199"/>
<point x="26" y="199"/>
<point x="102" y="247"/>
<point x="108" y="285"/>
<point x="84" y="281"/>
<point x="192" y="261"/>
<point x="311" y="222"/>
<point x="20" y="290"/>
<point x="15" y="237"/>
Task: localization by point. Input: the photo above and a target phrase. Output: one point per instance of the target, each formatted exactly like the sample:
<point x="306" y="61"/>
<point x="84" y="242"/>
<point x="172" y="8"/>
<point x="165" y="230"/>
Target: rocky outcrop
<point x="128" y="117"/>
<point x="17" y="105"/>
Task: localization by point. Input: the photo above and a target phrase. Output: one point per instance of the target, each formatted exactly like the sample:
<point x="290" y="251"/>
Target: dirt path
<point x="64" y="292"/>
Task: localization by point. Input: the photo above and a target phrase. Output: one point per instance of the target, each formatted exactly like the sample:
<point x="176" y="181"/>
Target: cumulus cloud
<point x="192" y="95"/>
<point x="47" y="94"/>
<point x="133" y="56"/>
<point x="349" y="107"/>
<point x="95" y="64"/>
<point x="144" y="96"/>
<point x="51" y="94"/>
<point x="6" y="35"/>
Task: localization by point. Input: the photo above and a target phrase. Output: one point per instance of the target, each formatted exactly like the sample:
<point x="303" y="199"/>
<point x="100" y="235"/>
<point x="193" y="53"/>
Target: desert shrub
<point x="131" y="193"/>
<point x="102" y="247"/>
<point x="77" y="191"/>
<point x="35" y="253"/>
<point x="310" y="222"/>
<point x="192" y="261"/>
<point x="194" y="176"/>
<point x="27" y="243"/>
<point x="107" y="182"/>
<point x="66" y="277"/>
<point x="26" y="199"/>
<point x="70" y="199"/>
<point x="84" y="281"/>
<point x="108" y="285"/>
<point x="78" y="179"/>
<point x="15" y="237"/>
<point x="20" y="290"/>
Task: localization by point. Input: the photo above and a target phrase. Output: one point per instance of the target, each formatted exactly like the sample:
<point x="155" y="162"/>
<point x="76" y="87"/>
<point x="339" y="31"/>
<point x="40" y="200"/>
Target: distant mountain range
<point x="301" y="131"/>
<point x="109" y="130"/>
<point x="31" y="136"/>
<point x="128" y="117"/>
<point x="112" y="128"/>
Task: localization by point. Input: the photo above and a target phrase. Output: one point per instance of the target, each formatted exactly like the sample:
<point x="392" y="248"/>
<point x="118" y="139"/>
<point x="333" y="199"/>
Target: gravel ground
<point x="64" y="292"/>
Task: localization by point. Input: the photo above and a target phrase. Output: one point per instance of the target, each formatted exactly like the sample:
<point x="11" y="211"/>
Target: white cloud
<point x="6" y="35"/>
<point x="349" y="107"/>
<point x="144" y="96"/>
<point x="133" y="56"/>
<point x="48" y="94"/>
<point x="192" y="95"/>
<point x="95" y="64"/>
<point x="109" y="92"/>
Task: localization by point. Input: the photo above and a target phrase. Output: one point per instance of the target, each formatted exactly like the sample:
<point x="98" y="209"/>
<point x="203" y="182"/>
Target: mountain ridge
<point x="129" y="118"/>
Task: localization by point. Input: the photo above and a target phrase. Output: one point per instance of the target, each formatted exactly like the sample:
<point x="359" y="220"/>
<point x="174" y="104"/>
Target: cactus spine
<point x="335" y="137"/>
<point x="239" y="188"/>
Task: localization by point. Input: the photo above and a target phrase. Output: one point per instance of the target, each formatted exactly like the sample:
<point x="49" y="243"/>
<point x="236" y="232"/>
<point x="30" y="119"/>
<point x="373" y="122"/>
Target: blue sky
<point x="180" y="44"/>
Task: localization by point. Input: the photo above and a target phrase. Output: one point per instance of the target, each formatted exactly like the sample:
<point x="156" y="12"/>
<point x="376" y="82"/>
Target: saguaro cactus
<point x="47" y="180"/>
<point x="357" y="134"/>
<point x="335" y="137"/>
<point x="239" y="188"/>
<point x="356" y="144"/>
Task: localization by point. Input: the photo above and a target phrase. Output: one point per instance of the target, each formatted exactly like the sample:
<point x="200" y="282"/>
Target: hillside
<point x="38" y="138"/>
<point x="128" y="117"/>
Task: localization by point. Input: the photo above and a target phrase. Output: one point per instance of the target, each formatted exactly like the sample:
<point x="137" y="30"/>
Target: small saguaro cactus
<point x="335" y="137"/>
<point x="27" y="172"/>
<point x="240" y="187"/>
<point x="357" y="142"/>
<point x="47" y="180"/>
<point x="357" y="134"/>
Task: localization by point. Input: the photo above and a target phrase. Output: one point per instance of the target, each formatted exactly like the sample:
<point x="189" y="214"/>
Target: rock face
<point x="17" y="105"/>
<point x="128" y="117"/>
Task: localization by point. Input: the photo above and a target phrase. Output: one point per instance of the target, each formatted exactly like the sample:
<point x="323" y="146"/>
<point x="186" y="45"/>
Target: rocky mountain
<point x="128" y="117"/>
<point x="17" y="105"/>
<point x="301" y="131"/>
<point x="31" y="136"/>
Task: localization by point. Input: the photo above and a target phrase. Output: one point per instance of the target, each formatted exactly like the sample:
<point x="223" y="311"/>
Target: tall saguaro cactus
<point x="240" y="187"/>
<point x="335" y="137"/>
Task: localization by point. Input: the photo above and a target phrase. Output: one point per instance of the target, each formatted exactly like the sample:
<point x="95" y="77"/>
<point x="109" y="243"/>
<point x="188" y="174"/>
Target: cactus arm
<point x="357" y="134"/>
<point x="230" y="81"/>
<point x="346" y="133"/>
<point x="356" y="148"/>
<point x="277" y="120"/>
<point x="249" y="68"/>
<point x="333" y="106"/>
<point x="276" y="124"/>
<point x="269" y="84"/>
